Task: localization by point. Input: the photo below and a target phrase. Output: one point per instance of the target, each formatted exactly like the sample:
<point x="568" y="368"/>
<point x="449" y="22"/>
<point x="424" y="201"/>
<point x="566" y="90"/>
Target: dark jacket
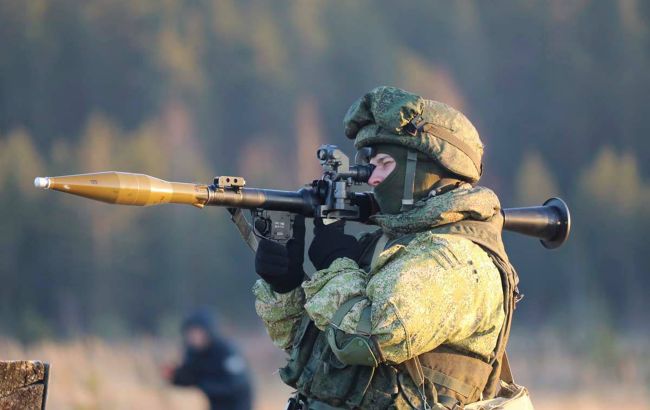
<point x="218" y="370"/>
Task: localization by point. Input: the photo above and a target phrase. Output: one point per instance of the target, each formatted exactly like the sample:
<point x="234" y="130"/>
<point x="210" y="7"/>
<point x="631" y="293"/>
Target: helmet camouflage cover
<point x="389" y="115"/>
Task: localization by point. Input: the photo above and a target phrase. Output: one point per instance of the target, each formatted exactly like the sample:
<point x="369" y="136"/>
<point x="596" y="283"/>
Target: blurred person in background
<point x="416" y="314"/>
<point x="212" y="364"/>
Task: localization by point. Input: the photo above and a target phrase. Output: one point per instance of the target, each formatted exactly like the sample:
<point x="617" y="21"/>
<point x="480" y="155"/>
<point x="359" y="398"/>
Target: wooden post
<point x="23" y="384"/>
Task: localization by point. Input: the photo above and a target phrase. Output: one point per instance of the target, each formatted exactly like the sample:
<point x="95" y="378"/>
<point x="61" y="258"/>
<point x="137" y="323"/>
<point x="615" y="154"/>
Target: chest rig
<point x="442" y="378"/>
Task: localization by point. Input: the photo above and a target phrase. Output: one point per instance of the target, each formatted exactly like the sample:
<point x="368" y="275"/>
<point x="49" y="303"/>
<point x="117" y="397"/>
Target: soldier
<point x="416" y="314"/>
<point x="212" y="364"/>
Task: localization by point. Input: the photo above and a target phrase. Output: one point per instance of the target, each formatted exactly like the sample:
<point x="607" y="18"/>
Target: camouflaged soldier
<point x="416" y="314"/>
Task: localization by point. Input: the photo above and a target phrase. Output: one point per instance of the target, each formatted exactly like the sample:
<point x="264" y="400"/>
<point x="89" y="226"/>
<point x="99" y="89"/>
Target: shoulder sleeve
<point x="438" y="289"/>
<point x="280" y="312"/>
<point x="330" y="288"/>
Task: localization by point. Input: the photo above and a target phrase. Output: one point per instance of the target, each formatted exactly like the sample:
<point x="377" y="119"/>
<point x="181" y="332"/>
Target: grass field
<point x="95" y="374"/>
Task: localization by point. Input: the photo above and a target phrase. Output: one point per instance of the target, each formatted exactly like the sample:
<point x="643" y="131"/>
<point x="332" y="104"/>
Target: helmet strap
<point x="445" y="185"/>
<point x="409" y="180"/>
<point x="418" y="124"/>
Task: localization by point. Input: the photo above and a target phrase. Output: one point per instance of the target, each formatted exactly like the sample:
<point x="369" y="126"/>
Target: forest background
<point x="186" y="90"/>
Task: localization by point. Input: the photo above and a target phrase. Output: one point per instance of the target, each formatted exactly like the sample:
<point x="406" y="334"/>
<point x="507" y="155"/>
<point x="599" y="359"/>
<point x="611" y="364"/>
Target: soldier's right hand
<point x="330" y="243"/>
<point x="281" y="265"/>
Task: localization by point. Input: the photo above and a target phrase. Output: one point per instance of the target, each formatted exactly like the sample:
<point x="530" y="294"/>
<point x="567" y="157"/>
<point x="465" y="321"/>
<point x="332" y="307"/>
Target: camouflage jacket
<point x="437" y="289"/>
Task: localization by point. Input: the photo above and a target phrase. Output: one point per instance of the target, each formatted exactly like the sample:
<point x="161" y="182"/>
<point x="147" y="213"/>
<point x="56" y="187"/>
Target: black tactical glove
<point x="330" y="243"/>
<point x="367" y="206"/>
<point x="281" y="265"/>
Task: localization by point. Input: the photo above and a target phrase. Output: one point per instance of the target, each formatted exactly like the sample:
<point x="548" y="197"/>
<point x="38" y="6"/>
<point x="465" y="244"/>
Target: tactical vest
<point x="442" y="378"/>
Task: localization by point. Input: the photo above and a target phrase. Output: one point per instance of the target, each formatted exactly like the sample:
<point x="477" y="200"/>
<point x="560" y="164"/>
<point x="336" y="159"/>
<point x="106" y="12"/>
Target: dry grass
<point x="93" y="374"/>
<point x="96" y="374"/>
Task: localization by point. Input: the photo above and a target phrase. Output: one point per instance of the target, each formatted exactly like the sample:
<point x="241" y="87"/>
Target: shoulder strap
<point x="488" y="236"/>
<point x="344" y="309"/>
<point x="380" y="246"/>
<point x="485" y="234"/>
<point x="500" y="366"/>
<point x="367" y="244"/>
<point x="506" y="371"/>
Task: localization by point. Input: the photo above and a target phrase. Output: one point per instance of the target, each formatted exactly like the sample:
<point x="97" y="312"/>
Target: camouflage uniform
<point x="421" y="287"/>
<point x="412" y="289"/>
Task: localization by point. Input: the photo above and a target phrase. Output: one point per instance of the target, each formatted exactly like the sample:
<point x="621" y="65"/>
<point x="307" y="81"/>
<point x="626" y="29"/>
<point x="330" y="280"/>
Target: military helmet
<point x="389" y="115"/>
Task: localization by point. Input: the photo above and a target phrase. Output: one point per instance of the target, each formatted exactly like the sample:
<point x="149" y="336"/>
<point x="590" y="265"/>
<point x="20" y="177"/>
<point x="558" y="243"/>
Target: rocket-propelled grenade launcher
<point x="273" y="211"/>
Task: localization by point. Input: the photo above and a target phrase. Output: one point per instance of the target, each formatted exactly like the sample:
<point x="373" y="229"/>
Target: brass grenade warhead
<point x="126" y="188"/>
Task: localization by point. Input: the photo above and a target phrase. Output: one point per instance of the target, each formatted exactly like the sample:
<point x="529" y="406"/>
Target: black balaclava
<point x="390" y="192"/>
